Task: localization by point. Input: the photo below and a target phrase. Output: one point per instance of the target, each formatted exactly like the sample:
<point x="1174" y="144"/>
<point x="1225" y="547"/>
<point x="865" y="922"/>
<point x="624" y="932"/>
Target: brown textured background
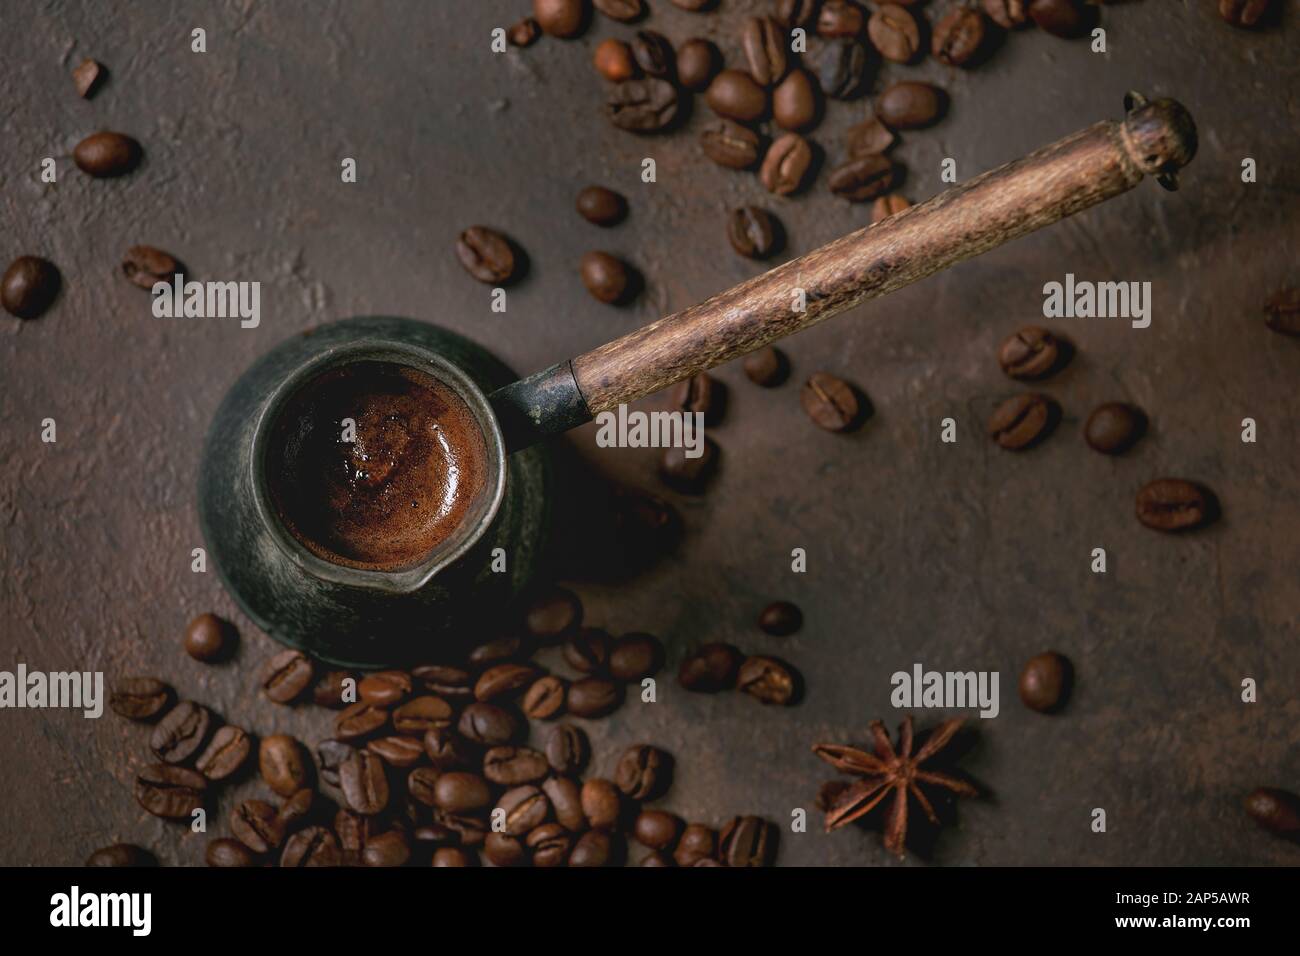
<point x="958" y="556"/>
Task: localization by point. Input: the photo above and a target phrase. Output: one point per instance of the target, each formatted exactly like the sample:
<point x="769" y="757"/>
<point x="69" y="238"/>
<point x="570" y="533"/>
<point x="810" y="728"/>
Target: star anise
<point x="889" y="771"/>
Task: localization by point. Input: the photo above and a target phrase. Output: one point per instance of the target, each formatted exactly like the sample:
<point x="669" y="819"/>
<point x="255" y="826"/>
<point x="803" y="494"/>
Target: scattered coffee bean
<point x="795" y="13"/>
<point x="588" y="651"/>
<point x="208" y="638"/>
<point x="794" y="102"/>
<point x="613" y="60"/>
<point x="863" y="178"/>
<point x="502" y="849"/>
<point x="657" y="829"/>
<point x="1172" y="504"/>
<point x="452" y="856"/>
<point x="1062" y="18"/>
<point x="653" y="54"/>
<point x="605" y="277"/>
<point x="780" y="618"/>
<point x="594" y="848"/>
<point x="421" y="714"/>
<point x="1022" y="421"/>
<point x="1044" y="682"/>
<point x="566" y="749"/>
<point x="561" y="18"/>
<point x="697" y="63"/>
<point x="1282" y="312"/>
<point x="693" y="5"/>
<point x="364" y="782"/>
<point x="886" y="206"/>
<point x="172" y="792"/>
<point x="359" y="720"/>
<point x="400" y="752"/>
<point x="107" y="154"/>
<point x="1243" y="13"/>
<point x="712" y="668"/>
<point x="422" y="785"/>
<point x="1114" y="427"/>
<point x="29" y="286"/>
<point x="700" y="393"/>
<point x="552" y="614"/>
<point x="894" y="32"/>
<point x="735" y="95"/>
<point x="601" y="206"/>
<point x="447" y="749"/>
<point x="1275" y="810"/>
<point x="452" y="683"/>
<point x="550" y="845"/>
<point x="764" y="44"/>
<point x="625" y="11"/>
<point x="909" y="105"/>
<point x="139" y="698"/>
<point x="390" y="848"/>
<point x="601" y="803"/>
<point x="314" y="847"/>
<point x="524" y="33"/>
<point x="144" y="266"/>
<point x="1030" y="353"/>
<point x="642" y="106"/>
<point x="181" y="732"/>
<point x="766" y="367"/>
<point x="501" y="649"/>
<point x="730" y="144"/>
<point x="328" y="689"/>
<point x="122" y="855"/>
<point x="644" y="772"/>
<point x="1008" y="14"/>
<point x="523" y="808"/>
<point x="830" y="402"/>
<point x="285" y="676"/>
<point x="514" y="766"/>
<point x="698" y="843"/>
<point x="488" y="724"/>
<point x="636" y="656"/>
<point x="226" y="753"/>
<point x="786" y="164"/>
<point x="331" y="755"/>
<point x="503" y="680"/>
<point x="686" y="474"/>
<point x="486" y="255"/>
<point x="297" y="809"/>
<point x="282" y="764"/>
<point x="594" y="697"/>
<point x="257" y="825"/>
<point x="748" y="841"/>
<point x="839" y="66"/>
<point x="841" y="18"/>
<point x="545" y="698"/>
<point x="766" y="679"/>
<point x="460" y="792"/>
<point x="384" y="688"/>
<point x="869" y="138"/>
<point x="86" y="77"/>
<point x="227" y="853"/>
<point x="958" y="37"/>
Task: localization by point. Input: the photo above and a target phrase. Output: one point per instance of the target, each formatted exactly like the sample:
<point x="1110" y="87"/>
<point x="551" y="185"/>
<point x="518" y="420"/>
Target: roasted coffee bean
<point x="285" y="676"/>
<point x="514" y="766"/>
<point x="432" y="834"/>
<point x="766" y="679"/>
<point x="735" y="95"/>
<point x="384" y="688"/>
<point x="283" y="764"/>
<point x="1030" y="353"/>
<point x="701" y="393"/>
<point x="764" y="44"/>
<point x="328" y="689"/>
<point x="460" y="792"/>
<point x="863" y="178"/>
<point x="225" y="852"/>
<point x="171" y="792"/>
<point x="795" y="13"/>
<point x="730" y="144"/>
<point x="613" y="60"/>
<point x="635" y="657"/>
<point x="601" y="206"/>
<point x="712" y="668"/>
<point x="561" y="18"/>
<point x="886" y="206"/>
<point x="653" y="54"/>
<point x="593" y="848"/>
<point x="421" y="714"/>
<point x="452" y="856"/>
<point x="470" y="828"/>
<point x="894" y="32"/>
<point x="830" y="402"/>
<point x="257" y="825"/>
<point x="524" y="33"/>
<point x="503" y="849"/>
<point x="29" y="286"/>
<point x="314" y="846"/>
<point x="698" y="843"/>
<point x="786" y="164"/>
<point x="601" y="803"/>
<point x="794" y="102"/>
<point x="447" y="749"/>
<point x="1022" y="421"/>
<point x="1243" y="13"/>
<point x="121" y="855"/>
<point x="1062" y="18"/>
<point x="545" y="698"/>
<point x="390" y="848"/>
<point x="1282" y="312"/>
<point x="594" y="697"/>
<point x="226" y="753"/>
<point x="1114" y="427"/>
<point x="1172" y="504"/>
<point x="523" y="808"/>
<point x="958" y="37"/>
<point x="552" y="614"/>
<point x="144" y="266"/>
<point x="869" y="138"/>
<point x="550" y="845"/>
<point x="780" y="618"/>
<point x="588" y="650"/>
<point x="748" y="841"/>
<point x="565" y="797"/>
<point x="422" y="785"/>
<point x="566" y="749"/>
<point x="107" y="154"/>
<point x="447" y="682"/>
<point x="86" y="77"/>
<point x="909" y="105"/>
<point x="297" y="809"/>
<point x="623" y="10"/>
<point x="840" y="67"/>
<point x="139" y="698"/>
<point x="1275" y="810"/>
<point x="486" y="255"/>
<point x="1008" y="14"/>
<point x="643" y="772"/>
<point x="697" y="63"/>
<point x="687" y="474"/>
<point x="656" y="858"/>
<point x="656" y="829"/>
<point x="642" y="106"/>
<point x="181" y="733"/>
<point x="331" y="755"/>
<point x="1044" y="682"/>
<point x="503" y="680"/>
<point x="841" y="18"/>
<point x="693" y="5"/>
<point x="501" y="649"/>
<point x="487" y="724"/>
<point x="401" y="752"/>
<point x="766" y="367"/>
<point x="605" y="277"/>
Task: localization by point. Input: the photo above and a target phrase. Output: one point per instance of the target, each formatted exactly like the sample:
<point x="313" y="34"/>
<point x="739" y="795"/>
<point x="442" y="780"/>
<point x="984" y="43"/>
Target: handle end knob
<point x="1159" y="137"/>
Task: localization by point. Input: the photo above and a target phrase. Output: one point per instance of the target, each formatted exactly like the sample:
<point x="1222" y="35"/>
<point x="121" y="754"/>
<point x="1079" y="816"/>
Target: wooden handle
<point x="1156" y="138"/>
